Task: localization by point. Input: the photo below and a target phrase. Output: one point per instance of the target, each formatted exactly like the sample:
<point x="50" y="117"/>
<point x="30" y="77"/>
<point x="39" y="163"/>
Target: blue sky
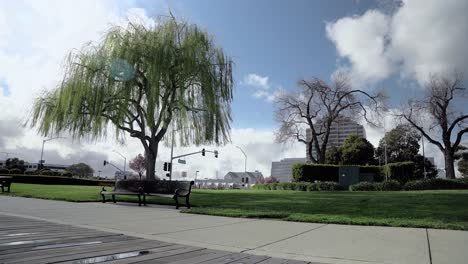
<point x="284" y="40"/>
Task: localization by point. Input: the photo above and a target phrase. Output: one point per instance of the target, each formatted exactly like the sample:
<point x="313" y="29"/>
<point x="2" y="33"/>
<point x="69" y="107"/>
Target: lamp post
<point x="196" y="174"/>
<point x="41" y="161"/>
<point x="125" y="163"/>
<point x="245" y="163"/>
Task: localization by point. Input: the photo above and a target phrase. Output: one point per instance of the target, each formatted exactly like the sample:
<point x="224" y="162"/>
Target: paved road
<point x="323" y="243"/>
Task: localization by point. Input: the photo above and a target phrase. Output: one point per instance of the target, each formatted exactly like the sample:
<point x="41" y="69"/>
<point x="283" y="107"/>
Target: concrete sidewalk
<point x="324" y="243"/>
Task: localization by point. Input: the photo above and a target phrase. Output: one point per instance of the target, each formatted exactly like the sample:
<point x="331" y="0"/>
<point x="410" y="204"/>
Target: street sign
<point x="181" y="161"/>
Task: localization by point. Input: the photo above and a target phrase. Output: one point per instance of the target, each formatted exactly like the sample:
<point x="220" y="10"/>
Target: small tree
<point x="357" y="151"/>
<point x="400" y="143"/>
<point x="333" y="156"/>
<point x="15" y="163"/>
<point x="138" y="164"/>
<point x="81" y="170"/>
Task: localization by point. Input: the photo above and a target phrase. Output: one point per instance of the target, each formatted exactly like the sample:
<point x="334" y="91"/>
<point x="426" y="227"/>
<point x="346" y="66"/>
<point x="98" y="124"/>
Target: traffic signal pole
<point x="188" y="154"/>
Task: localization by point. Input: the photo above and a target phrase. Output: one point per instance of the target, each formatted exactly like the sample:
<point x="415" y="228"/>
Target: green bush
<point x="390" y="185"/>
<point x="300" y="186"/>
<point x="435" y="184"/>
<point x="401" y="171"/>
<point x="67" y="174"/>
<point x="46" y="172"/>
<point x="4" y="171"/>
<point x="15" y="172"/>
<point x="363" y="186"/>
<point x="57" y="180"/>
<point x="303" y="172"/>
<point x="377" y="171"/>
<point x="31" y="173"/>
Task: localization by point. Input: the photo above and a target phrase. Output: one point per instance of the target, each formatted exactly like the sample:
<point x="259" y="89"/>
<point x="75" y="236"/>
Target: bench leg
<point x="139" y="200"/>
<point x="176" y="198"/>
<point x="144" y="200"/>
<point x="103" y="198"/>
<point x="9" y="188"/>
<point x="113" y="199"/>
<point x="2" y="189"/>
<point x="187" y="201"/>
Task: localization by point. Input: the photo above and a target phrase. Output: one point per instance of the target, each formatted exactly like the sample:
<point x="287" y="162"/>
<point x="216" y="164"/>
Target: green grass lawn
<point x="432" y="209"/>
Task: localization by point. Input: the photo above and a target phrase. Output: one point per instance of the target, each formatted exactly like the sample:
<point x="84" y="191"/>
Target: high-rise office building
<point x="339" y="131"/>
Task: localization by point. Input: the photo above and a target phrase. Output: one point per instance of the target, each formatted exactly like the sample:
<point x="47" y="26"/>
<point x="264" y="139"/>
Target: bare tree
<point x="442" y="111"/>
<point x="316" y="106"/>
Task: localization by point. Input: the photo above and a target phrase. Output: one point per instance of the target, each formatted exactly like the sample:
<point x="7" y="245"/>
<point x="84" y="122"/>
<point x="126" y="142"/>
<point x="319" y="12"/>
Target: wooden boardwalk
<point x="32" y="241"/>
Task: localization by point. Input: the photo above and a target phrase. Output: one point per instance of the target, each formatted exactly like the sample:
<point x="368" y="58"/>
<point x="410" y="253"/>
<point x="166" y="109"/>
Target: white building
<point x="34" y="166"/>
<point x="244" y="177"/>
<point x="339" y="131"/>
<point x="282" y="170"/>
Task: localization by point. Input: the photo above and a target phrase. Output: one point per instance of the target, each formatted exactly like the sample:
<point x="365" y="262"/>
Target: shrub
<point x="401" y="171"/>
<point x="435" y="184"/>
<point x="329" y="186"/>
<point x="303" y="172"/>
<point x="15" y="171"/>
<point x="390" y="185"/>
<point x="31" y="173"/>
<point x="67" y="174"/>
<point x="377" y="171"/>
<point x="4" y="171"/>
<point x="363" y="186"/>
<point x="57" y="180"/>
<point x="49" y="173"/>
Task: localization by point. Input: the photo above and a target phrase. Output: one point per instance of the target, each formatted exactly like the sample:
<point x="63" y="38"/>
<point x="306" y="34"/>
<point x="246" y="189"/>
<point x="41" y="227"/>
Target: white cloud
<point x="421" y="37"/>
<point x="257" y="81"/>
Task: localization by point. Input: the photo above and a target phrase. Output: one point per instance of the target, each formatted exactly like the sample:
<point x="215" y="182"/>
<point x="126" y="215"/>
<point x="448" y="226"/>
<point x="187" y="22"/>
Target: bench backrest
<point x="6" y="181"/>
<point x="162" y="187"/>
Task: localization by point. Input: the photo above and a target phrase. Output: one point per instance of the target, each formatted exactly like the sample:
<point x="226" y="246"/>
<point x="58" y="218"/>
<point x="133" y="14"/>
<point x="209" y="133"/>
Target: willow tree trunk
<point x="449" y="166"/>
<point x="151" y="155"/>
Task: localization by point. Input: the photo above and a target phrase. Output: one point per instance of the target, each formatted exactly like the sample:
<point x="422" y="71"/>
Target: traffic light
<point x="216" y="153"/>
<point x="105" y="162"/>
<point x="203" y="152"/>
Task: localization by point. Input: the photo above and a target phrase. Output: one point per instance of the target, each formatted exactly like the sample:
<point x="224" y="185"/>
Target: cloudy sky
<point x="391" y="45"/>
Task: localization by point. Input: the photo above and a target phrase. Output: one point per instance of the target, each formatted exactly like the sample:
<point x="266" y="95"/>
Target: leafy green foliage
<point x="56" y="180"/>
<point x="401" y="171"/>
<point x="357" y="151"/>
<point x="402" y="144"/>
<point x="81" y="170"/>
<point x="435" y="184"/>
<point x="303" y="172"/>
<point x="390" y="185"/>
<point x="300" y="186"/>
<point x="333" y="156"/>
<point x="4" y="171"/>
<point x="463" y="165"/>
<point x="15" y="163"/>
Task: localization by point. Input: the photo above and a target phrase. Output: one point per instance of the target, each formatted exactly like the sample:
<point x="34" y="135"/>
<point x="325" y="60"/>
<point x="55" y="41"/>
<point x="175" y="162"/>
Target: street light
<point x="245" y="163"/>
<point x="125" y="161"/>
<point x="41" y="161"/>
<point x="196" y="174"/>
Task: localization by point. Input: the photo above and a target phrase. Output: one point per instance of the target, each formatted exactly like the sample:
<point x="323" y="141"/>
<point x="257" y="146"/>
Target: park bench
<point x="5" y="182"/>
<point x="143" y="188"/>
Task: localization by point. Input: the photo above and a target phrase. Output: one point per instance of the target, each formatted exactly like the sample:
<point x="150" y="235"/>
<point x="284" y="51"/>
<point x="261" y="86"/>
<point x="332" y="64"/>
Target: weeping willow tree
<point x="141" y="82"/>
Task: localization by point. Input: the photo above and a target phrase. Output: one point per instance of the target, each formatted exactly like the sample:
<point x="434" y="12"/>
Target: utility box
<point x="349" y="175"/>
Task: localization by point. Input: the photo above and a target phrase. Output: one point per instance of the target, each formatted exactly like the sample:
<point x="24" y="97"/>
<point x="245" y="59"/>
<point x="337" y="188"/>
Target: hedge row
<point x="44" y="172"/>
<point x="300" y="186"/>
<point x="401" y="172"/>
<point x="429" y="184"/>
<point x="57" y="180"/>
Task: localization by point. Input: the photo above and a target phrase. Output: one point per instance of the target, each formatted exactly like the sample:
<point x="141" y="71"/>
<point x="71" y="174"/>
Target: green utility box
<point x="349" y="175"/>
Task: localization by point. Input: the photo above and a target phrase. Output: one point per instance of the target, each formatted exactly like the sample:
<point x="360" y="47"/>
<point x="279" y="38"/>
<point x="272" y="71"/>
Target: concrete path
<point x="323" y="243"/>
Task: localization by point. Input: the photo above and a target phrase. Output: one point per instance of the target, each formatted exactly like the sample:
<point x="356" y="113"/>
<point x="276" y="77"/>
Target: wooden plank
<point x="196" y="252"/>
<point x="227" y="259"/>
<point x="150" y="249"/>
<point x="210" y="255"/>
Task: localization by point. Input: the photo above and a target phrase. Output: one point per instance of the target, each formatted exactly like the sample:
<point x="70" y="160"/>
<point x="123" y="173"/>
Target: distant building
<point x="244" y="177"/>
<point x="34" y="166"/>
<point x="282" y="170"/>
<point x="120" y="175"/>
<point x="339" y="131"/>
